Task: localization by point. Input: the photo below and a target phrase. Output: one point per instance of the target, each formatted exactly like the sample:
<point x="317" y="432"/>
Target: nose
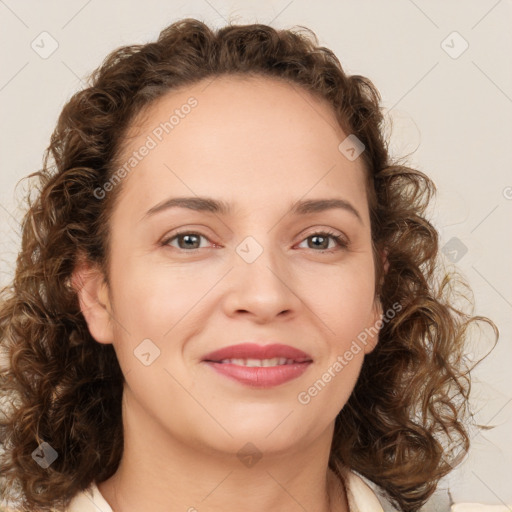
<point x="262" y="288"/>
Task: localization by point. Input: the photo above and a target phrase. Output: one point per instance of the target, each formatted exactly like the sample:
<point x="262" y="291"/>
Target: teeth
<point x="276" y="361"/>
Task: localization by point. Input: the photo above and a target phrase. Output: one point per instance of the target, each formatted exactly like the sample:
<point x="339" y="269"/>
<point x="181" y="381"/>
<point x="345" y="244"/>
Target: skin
<point x="260" y="145"/>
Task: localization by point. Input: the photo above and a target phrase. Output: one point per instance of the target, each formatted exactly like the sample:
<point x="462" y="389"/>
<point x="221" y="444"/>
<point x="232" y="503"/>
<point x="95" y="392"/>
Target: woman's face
<point x="254" y="274"/>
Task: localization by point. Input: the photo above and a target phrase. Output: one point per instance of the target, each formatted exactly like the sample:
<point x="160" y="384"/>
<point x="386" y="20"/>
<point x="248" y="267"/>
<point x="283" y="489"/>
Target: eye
<point x="189" y="239"/>
<point x="322" y="237"/>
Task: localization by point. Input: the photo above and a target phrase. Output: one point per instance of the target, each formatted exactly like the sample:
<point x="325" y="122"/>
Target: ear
<point x="385" y="263"/>
<point x="377" y="314"/>
<point x="372" y="332"/>
<point x="92" y="291"/>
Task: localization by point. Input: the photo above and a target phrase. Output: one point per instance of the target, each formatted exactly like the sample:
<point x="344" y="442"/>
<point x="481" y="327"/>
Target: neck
<point x="159" y="473"/>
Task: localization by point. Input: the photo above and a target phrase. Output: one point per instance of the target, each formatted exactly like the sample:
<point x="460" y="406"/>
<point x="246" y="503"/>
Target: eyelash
<point x="339" y="239"/>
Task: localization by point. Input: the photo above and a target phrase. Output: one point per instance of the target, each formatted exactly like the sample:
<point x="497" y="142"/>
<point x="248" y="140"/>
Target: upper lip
<point x="256" y="351"/>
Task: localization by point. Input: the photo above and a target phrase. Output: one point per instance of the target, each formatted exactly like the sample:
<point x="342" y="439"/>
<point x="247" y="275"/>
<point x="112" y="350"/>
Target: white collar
<point x="361" y="498"/>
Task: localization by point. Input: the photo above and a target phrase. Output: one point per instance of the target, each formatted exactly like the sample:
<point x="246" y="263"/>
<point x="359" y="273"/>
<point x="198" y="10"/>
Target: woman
<point x="228" y="295"/>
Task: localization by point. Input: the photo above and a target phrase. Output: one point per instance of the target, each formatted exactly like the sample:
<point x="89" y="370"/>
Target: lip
<point x="255" y="351"/>
<point x="259" y="376"/>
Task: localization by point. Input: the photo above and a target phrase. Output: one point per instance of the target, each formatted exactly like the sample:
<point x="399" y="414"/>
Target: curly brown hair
<point x="405" y="420"/>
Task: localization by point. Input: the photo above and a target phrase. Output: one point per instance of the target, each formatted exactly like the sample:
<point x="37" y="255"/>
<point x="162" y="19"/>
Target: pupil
<point x="188" y="238"/>
<point x="316" y="237"/>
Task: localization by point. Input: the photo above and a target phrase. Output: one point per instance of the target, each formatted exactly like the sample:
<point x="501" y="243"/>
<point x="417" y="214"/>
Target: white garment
<point x="360" y="496"/>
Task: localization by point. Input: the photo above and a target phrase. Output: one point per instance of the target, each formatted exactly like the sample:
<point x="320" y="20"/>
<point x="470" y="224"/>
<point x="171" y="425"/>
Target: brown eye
<point x="321" y="240"/>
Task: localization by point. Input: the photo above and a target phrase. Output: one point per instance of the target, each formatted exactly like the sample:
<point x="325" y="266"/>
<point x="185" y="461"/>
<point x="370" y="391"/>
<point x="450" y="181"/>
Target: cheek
<point x="343" y="305"/>
<point x="342" y="297"/>
<point x="162" y="303"/>
<point x="151" y="298"/>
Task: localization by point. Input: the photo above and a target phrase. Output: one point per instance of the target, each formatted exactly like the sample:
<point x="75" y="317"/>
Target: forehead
<point x="238" y="105"/>
<point x="229" y="136"/>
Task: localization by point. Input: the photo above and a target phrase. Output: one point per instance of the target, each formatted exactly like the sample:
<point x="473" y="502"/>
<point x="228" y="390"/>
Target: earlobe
<point x="92" y="292"/>
<point x="385" y="262"/>
<point x="384" y="266"/>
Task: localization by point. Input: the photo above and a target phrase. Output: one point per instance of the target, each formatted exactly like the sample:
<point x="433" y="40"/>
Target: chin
<point x="269" y="433"/>
<point x="254" y="444"/>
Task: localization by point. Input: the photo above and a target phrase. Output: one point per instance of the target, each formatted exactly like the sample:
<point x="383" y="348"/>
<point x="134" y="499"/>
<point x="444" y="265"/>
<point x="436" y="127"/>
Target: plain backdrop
<point x="445" y="74"/>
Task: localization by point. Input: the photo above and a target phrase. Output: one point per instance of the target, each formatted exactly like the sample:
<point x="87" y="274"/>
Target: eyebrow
<point x="207" y="204"/>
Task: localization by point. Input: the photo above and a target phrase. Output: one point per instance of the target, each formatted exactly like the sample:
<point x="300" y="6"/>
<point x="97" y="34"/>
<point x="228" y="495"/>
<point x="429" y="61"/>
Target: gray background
<point x="450" y="105"/>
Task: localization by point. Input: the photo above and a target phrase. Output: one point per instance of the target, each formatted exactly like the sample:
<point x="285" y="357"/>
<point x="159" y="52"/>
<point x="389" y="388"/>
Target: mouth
<point x="260" y="366"/>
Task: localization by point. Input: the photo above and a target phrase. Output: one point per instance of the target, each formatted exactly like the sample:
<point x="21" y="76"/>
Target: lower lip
<point x="260" y="376"/>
